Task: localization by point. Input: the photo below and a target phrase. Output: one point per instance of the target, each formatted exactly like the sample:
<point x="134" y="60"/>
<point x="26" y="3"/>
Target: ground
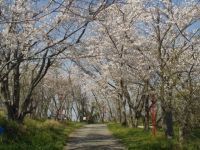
<point x="93" y="137"/>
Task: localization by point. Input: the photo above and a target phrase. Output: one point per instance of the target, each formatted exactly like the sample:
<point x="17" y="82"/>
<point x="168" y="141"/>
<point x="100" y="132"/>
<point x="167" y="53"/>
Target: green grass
<point x="137" y="139"/>
<point x="35" y="135"/>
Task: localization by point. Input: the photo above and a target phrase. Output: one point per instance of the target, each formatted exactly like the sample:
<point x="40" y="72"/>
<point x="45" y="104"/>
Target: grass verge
<point x="35" y="135"/>
<point x="137" y="139"/>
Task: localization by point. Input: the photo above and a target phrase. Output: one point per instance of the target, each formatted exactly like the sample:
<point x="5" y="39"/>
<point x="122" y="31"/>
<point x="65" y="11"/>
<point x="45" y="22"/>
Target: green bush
<point x="35" y="134"/>
<point x="137" y="139"/>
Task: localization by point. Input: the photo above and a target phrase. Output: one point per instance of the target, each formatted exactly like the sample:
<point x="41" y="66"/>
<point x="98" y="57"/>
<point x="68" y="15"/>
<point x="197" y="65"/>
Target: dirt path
<point x="93" y="137"/>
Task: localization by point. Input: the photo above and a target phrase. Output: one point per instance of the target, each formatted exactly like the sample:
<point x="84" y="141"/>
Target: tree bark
<point x="169" y="132"/>
<point x="146" y="118"/>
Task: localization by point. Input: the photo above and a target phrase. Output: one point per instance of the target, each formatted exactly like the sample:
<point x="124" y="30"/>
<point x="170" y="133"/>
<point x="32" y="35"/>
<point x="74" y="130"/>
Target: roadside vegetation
<point x="35" y="134"/>
<point x="138" y="139"/>
<point x="100" y="60"/>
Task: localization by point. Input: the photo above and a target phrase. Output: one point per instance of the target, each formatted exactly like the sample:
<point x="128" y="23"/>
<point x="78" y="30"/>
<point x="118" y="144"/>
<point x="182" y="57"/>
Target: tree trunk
<point x="119" y="110"/>
<point x="124" y="116"/>
<point x="124" y="121"/>
<point x="184" y="133"/>
<point x="131" y="117"/>
<point x="169" y="132"/>
<point x="16" y="90"/>
<point x="111" y="118"/>
<point x="146" y="106"/>
<point x="136" y="122"/>
<point x="146" y="117"/>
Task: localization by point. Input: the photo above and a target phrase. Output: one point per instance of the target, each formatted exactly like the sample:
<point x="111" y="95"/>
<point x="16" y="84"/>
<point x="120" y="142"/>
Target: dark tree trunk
<point x="131" y="117"/>
<point x="146" y="106"/>
<point x="16" y="91"/>
<point x="184" y="132"/>
<point x="123" y="99"/>
<point x="124" y="122"/>
<point x="124" y="116"/>
<point x="169" y="132"/>
<point x="146" y="117"/>
<point x="119" y="110"/>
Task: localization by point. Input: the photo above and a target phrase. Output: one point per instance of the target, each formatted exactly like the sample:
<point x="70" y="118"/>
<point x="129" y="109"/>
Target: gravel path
<point x="93" y="137"/>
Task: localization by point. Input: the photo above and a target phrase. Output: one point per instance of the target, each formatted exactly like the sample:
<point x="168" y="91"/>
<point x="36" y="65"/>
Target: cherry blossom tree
<point x="152" y="46"/>
<point x="33" y="35"/>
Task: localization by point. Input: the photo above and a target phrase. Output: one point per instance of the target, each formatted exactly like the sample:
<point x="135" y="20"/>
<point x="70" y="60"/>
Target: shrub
<point x="137" y="139"/>
<point x="35" y="134"/>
